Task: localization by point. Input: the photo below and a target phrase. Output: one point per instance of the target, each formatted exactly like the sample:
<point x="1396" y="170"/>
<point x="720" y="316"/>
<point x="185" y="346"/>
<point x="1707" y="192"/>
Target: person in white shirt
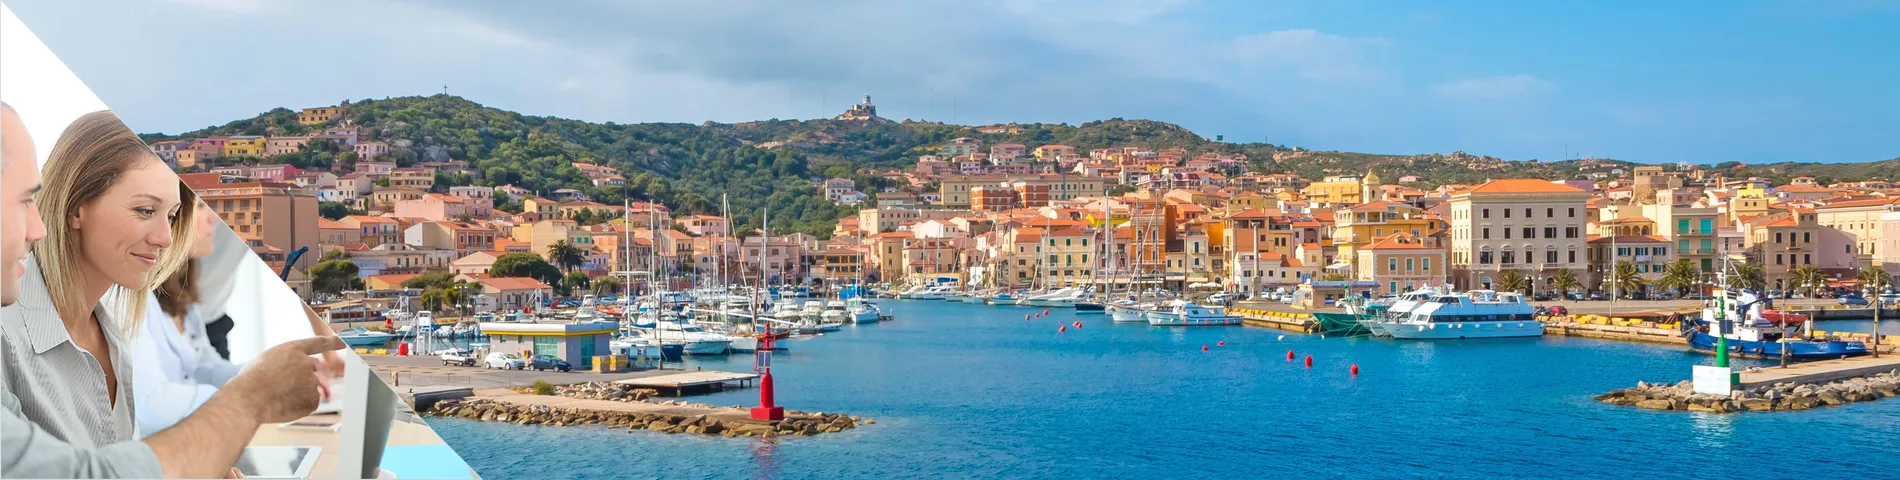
<point x="176" y="368"/>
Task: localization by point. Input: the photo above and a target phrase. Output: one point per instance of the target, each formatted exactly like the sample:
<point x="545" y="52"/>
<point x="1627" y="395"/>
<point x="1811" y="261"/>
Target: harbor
<point x="1017" y="387"/>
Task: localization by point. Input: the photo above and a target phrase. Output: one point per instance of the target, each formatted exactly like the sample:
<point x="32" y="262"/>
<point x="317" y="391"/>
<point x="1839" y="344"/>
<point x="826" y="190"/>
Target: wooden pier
<point x="1276" y="318"/>
<point x="684" y="383"/>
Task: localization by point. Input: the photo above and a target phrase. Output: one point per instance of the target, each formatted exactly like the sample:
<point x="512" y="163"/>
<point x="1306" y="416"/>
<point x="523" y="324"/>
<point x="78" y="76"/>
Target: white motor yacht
<point x="862" y="311"/>
<point x="1180" y="313"/>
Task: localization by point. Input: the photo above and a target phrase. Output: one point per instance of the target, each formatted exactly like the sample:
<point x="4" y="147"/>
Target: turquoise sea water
<point x="966" y="391"/>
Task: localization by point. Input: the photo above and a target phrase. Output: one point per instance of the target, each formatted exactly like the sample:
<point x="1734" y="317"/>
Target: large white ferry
<point x="1427" y="315"/>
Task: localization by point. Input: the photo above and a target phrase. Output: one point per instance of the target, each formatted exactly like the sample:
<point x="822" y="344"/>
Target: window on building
<point x="1391" y="265"/>
<point x="1807" y="237"/>
<point x="1777" y="259"/>
<point x="1426" y="264"/>
<point x="1550" y="213"/>
<point x="1509" y="257"/>
<point x="1530" y="232"/>
<point x="1778" y="237"/>
<point x="1570" y="232"/>
<point x="1527" y="213"/>
<point x="1573" y="256"/>
<point x="1484" y="257"/>
<point x="1485" y="232"/>
<point x="1550" y="256"/>
<point x="1507" y="213"/>
<point x="1486" y="213"/>
<point x="1507" y="233"/>
<point x="1708" y="225"/>
<point x="1807" y="259"/>
<point x="1408" y="264"/>
<point x="1550" y="232"/>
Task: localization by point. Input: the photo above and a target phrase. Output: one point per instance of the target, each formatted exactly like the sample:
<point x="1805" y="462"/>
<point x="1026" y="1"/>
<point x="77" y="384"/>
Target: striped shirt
<point x="47" y="380"/>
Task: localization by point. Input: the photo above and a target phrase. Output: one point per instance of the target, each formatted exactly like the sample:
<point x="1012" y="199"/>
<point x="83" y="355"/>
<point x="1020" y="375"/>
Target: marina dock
<point x="1276" y="316"/>
<point x="700" y="381"/>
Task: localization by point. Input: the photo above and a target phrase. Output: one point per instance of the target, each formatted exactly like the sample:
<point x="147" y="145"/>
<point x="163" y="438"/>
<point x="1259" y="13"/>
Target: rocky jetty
<point x="731" y="421"/>
<point x="1777" y="397"/>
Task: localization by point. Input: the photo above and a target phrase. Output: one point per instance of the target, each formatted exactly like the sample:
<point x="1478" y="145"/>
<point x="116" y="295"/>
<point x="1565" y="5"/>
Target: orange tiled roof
<point x="1522" y="185"/>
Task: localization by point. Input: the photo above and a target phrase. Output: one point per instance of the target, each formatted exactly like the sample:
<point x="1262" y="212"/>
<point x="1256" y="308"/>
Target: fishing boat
<point x="1476" y="314"/>
<point x="1739" y="317"/>
<point x="363" y="337"/>
<point x="1182" y="313"/>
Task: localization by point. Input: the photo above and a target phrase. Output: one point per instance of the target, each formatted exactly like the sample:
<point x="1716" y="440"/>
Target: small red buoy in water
<point x="1025" y="317"/>
<point x="1355" y="369"/>
<point x="1221" y="343"/>
<point x="1061" y="329"/>
<point x="1289" y="355"/>
<point x="1203" y="348"/>
<point x="1078" y="324"/>
<point x="1309" y="361"/>
<point x="1045" y="311"/>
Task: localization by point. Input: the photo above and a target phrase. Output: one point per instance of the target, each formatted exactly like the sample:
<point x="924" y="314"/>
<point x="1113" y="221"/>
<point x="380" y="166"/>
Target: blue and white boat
<point x="1738" y="317"/>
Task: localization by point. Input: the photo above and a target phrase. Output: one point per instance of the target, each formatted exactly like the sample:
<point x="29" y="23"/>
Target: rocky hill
<point x="770" y="162"/>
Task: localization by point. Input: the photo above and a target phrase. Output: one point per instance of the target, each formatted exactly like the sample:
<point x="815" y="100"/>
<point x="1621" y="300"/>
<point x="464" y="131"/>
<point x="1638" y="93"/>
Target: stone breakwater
<point x="1778" y="397"/>
<point x="643" y="413"/>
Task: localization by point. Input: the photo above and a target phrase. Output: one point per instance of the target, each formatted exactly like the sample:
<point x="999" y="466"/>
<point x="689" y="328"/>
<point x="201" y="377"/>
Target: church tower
<point x="1369" y="190"/>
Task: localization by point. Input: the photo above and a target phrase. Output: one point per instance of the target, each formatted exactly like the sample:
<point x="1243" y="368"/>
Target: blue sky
<point x="1678" y="81"/>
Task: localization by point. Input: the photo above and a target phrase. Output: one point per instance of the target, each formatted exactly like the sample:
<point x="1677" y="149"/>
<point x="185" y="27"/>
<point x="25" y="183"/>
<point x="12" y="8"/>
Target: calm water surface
<point x="973" y="391"/>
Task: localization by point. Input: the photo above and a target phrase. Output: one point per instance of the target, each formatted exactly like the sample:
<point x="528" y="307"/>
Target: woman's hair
<point x="178" y="292"/>
<point x="90" y="157"/>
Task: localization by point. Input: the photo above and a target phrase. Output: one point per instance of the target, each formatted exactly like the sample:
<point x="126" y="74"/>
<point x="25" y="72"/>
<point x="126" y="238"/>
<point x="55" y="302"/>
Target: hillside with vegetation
<point x="772" y="162"/>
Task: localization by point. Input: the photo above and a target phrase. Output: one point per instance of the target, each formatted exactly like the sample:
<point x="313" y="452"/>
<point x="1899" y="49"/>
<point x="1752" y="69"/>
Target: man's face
<point x="20" y="223"/>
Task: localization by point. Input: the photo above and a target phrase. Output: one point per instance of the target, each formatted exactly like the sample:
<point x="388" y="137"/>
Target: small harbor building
<point x="577" y="343"/>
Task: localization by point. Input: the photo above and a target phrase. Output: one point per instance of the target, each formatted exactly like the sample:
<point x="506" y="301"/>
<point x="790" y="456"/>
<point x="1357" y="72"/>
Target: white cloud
<point x="1492" y="89"/>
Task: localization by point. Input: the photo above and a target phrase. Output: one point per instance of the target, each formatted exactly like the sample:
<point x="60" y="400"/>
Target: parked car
<point x="1578" y="296"/>
<point x="1558" y="310"/>
<point x="504" y="361"/>
<point x="548" y="362"/>
<point x="457" y="358"/>
<point x="1853" y="300"/>
<point x="1598" y="297"/>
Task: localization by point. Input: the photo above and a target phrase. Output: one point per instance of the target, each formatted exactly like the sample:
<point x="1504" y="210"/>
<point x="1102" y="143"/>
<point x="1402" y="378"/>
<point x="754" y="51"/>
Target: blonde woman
<point x="111" y="212"/>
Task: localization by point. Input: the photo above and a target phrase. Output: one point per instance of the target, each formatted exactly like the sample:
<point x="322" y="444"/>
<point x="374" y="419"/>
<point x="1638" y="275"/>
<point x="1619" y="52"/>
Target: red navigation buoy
<point x="1045" y="311"/>
<point x="1025" y="317"/>
<point x="1078" y="324"/>
<point x="1309" y="361"/>
<point x="1221" y="343"/>
<point x="1203" y="348"/>
<point x="1355" y="369"/>
<point x="1289" y="355"/>
<point x="1061" y="329"/>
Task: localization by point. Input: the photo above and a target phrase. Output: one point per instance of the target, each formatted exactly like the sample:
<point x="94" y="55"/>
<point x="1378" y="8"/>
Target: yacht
<point x="1004" y="297"/>
<point x="1477" y="314"/>
<point x="696" y="339"/>
<point x="862" y="311"/>
<point x="813" y="310"/>
<point x="362" y="337"/>
<point x="786" y="309"/>
<point x="1128" y="311"/>
<point x="1180" y="313"/>
<point x="1062" y="297"/>
<point x="835" y="311"/>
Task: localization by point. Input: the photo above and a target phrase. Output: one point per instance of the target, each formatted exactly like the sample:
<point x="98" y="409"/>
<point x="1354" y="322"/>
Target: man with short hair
<point x="279" y="386"/>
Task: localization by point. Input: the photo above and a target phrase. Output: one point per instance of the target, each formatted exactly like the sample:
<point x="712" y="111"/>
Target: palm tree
<point x="1746" y="276"/>
<point x="1513" y="281"/>
<point x="1875" y="278"/>
<point x="606" y="285"/>
<point x="565" y="254"/>
<point x="1564" y="280"/>
<point x="1627" y="279"/>
<point x="1810" y="278"/>
<point x="1680" y="275"/>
